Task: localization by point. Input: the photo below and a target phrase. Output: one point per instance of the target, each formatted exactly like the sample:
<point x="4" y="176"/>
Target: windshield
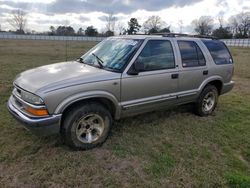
<point x="112" y="53"/>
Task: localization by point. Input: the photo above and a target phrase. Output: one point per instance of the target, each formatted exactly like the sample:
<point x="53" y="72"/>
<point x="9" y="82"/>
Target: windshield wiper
<point x="99" y="60"/>
<point x="80" y="60"/>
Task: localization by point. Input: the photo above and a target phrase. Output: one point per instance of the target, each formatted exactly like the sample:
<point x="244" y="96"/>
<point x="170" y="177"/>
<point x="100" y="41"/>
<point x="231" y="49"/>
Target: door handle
<point x="175" y="76"/>
<point x="205" y="72"/>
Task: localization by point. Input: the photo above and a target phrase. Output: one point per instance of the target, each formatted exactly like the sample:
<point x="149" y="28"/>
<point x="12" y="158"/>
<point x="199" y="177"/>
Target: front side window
<point x="218" y="51"/>
<point x="113" y="53"/>
<point x="157" y="55"/>
<point x="191" y="54"/>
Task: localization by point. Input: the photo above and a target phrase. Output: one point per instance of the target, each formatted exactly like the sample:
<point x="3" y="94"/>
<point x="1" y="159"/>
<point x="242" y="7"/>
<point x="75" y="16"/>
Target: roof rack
<point x="185" y="35"/>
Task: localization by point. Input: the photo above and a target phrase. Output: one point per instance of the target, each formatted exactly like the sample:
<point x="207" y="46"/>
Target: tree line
<point x="237" y="26"/>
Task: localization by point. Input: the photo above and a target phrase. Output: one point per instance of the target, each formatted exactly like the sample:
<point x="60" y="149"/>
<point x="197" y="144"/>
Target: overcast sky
<point x="81" y="13"/>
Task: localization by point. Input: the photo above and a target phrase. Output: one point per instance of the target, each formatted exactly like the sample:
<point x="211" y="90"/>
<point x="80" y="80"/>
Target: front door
<point x="157" y="81"/>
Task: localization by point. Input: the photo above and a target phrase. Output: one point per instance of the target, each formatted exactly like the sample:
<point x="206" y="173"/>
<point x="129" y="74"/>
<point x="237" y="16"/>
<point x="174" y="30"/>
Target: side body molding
<point x="89" y="95"/>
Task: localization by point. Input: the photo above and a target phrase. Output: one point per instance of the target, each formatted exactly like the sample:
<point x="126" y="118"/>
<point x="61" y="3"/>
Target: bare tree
<point x="153" y="24"/>
<point x="80" y="31"/>
<point x="223" y="31"/>
<point x="233" y="25"/>
<point x="121" y="28"/>
<point x="221" y="20"/>
<point x="240" y="25"/>
<point x="203" y="25"/>
<point x="110" y="22"/>
<point x="180" y="23"/>
<point x="18" y="20"/>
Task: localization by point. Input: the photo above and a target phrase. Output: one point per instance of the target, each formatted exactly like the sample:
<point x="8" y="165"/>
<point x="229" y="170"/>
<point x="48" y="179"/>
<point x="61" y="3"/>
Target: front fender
<point x="88" y="95"/>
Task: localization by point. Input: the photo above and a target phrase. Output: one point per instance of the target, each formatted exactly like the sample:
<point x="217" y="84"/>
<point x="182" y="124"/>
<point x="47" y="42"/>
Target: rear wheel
<point x="86" y="126"/>
<point x="207" y="101"/>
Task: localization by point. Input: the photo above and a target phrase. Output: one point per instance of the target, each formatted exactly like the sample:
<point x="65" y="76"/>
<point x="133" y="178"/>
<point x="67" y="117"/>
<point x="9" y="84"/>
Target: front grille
<point x="17" y="101"/>
<point x="18" y="91"/>
<point x="19" y="104"/>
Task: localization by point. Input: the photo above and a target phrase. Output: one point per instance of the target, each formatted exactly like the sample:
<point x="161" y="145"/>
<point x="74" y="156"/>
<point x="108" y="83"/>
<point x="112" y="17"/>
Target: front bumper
<point x="227" y="87"/>
<point x="39" y="126"/>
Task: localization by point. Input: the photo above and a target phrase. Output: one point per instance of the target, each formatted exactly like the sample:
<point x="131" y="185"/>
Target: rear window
<point x="219" y="52"/>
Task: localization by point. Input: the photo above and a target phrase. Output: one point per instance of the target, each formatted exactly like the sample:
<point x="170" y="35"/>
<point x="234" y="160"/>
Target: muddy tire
<point x="207" y="101"/>
<point x="86" y="126"/>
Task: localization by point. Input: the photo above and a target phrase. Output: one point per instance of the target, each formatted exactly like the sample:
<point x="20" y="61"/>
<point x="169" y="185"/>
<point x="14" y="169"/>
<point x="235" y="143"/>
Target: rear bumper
<point x="227" y="87"/>
<point x="39" y="126"/>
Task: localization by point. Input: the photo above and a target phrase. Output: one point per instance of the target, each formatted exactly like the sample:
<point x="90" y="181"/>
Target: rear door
<point x="193" y="68"/>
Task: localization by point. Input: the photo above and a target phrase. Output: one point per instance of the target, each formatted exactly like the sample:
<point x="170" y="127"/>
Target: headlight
<point x="31" y="98"/>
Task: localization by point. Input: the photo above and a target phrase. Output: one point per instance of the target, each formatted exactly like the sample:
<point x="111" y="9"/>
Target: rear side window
<point x="218" y="51"/>
<point x="191" y="54"/>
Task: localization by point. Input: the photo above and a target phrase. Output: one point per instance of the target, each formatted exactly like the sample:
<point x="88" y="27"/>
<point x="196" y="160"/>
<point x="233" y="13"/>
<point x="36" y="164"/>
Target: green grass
<point x="238" y="181"/>
<point x="171" y="148"/>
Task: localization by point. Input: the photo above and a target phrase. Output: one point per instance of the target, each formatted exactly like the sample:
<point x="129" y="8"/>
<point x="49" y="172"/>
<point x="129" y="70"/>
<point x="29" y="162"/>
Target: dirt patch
<point x="10" y="175"/>
<point x="242" y="85"/>
<point x="242" y="159"/>
<point x="124" y="168"/>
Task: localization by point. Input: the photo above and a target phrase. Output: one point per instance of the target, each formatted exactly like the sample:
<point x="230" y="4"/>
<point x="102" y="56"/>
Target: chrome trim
<point x="156" y="99"/>
<point x="227" y="87"/>
<point x="16" y="93"/>
<point x="229" y="83"/>
<point x="147" y="101"/>
<point x="40" y="121"/>
<point x="22" y="109"/>
<point x="187" y="94"/>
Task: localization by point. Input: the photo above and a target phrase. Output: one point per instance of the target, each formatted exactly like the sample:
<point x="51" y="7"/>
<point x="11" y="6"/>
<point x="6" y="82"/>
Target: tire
<point x="86" y="126"/>
<point x="207" y="101"/>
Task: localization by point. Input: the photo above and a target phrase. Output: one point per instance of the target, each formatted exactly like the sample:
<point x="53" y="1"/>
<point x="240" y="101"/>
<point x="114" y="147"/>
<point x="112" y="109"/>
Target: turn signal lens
<point x="37" y="112"/>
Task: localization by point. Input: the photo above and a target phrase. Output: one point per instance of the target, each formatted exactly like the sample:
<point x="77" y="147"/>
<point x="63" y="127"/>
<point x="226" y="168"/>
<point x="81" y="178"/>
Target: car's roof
<point x="142" y="37"/>
<point x="138" y="36"/>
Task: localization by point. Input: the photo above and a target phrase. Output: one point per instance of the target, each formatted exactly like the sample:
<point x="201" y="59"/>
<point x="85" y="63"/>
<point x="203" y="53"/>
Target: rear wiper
<point x="100" y="62"/>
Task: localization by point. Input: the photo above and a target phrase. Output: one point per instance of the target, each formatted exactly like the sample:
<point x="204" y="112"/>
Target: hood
<point x="59" y="75"/>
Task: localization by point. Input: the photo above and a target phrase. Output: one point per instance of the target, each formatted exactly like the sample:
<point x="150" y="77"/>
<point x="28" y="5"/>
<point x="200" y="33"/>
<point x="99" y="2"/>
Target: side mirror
<point x="139" y="66"/>
<point x="136" y="68"/>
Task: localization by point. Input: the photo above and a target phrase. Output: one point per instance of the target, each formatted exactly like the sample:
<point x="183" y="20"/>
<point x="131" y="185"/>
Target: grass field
<point x="162" y="149"/>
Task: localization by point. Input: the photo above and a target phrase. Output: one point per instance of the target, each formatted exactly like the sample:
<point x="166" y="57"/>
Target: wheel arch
<point x="104" y="98"/>
<point x="215" y="81"/>
<point x="218" y="84"/>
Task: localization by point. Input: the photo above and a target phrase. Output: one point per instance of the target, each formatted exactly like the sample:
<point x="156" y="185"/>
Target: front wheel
<point x="86" y="126"/>
<point x="207" y="101"/>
